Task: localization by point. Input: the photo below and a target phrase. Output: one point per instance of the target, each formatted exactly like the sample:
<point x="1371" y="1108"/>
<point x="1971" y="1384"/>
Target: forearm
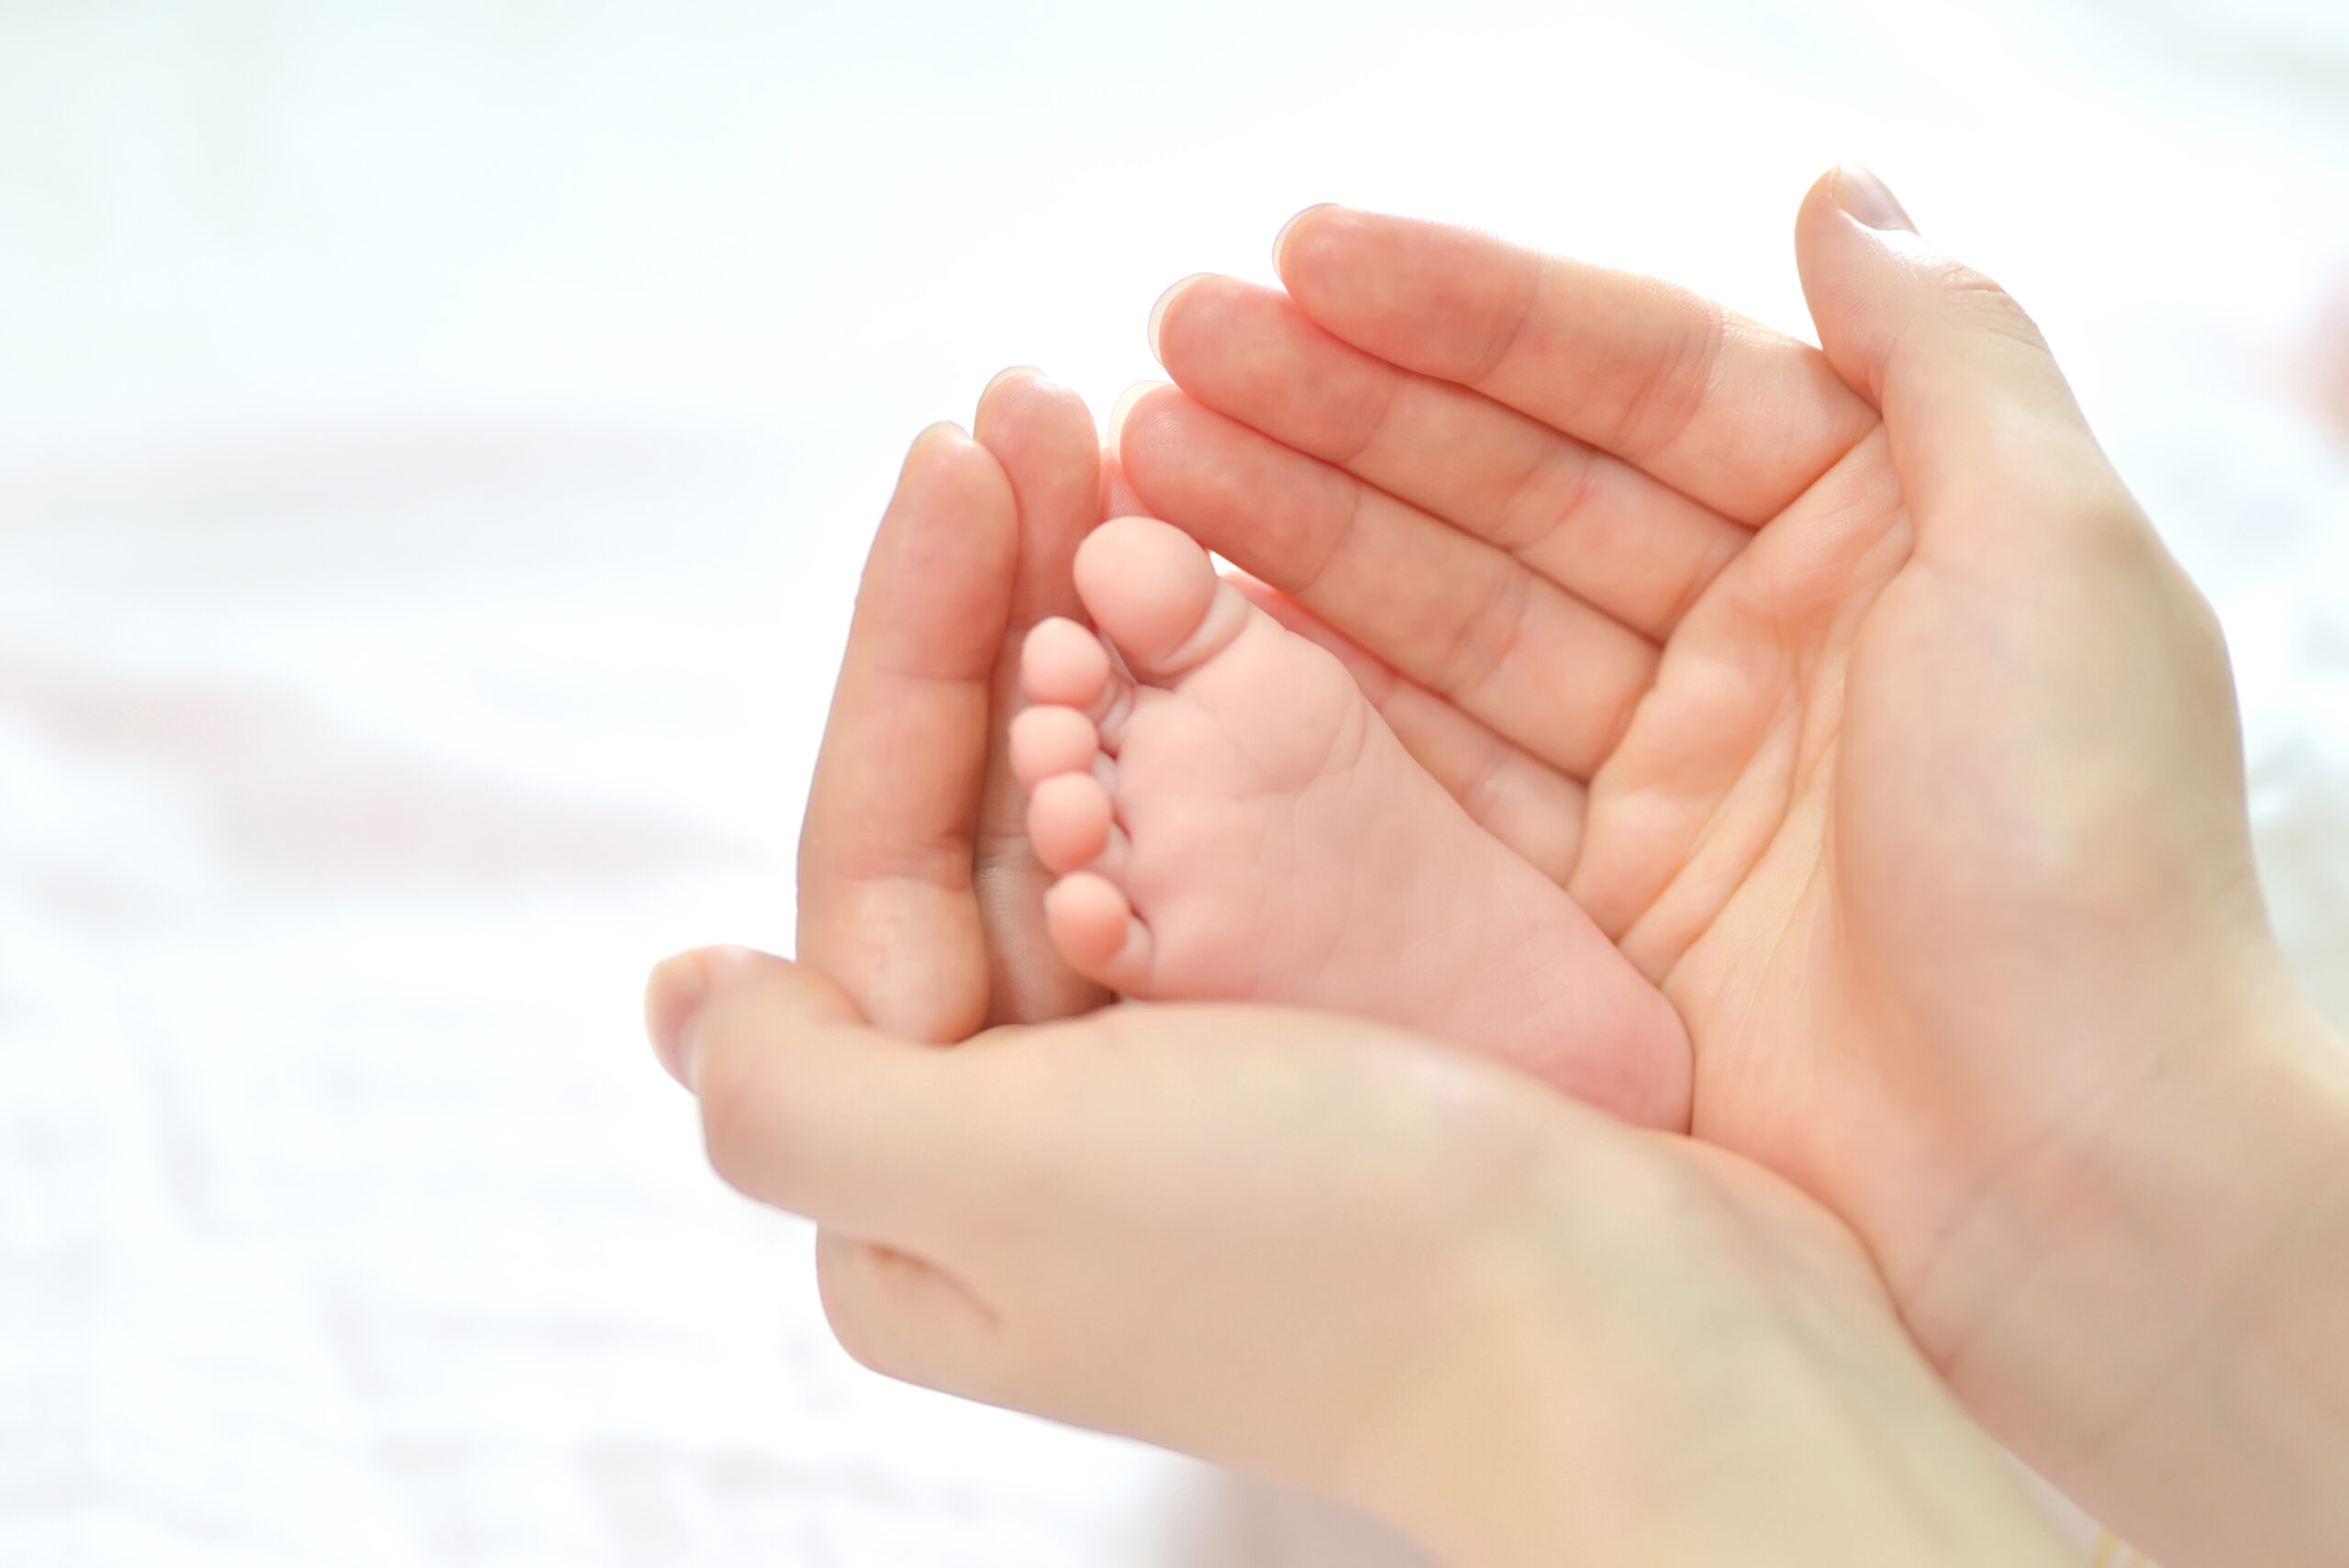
<point x="2178" y="1359"/>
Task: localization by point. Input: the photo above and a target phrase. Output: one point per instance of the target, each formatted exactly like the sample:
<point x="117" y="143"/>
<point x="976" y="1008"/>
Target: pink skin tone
<point x="1332" y="1252"/>
<point x="1231" y="820"/>
<point x="1850" y="693"/>
<point x="1845" y="688"/>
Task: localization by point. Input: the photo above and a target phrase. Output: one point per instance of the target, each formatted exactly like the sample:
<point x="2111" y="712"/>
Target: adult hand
<point x="917" y="889"/>
<point x="1850" y="693"/>
<point x="1319" y="1250"/>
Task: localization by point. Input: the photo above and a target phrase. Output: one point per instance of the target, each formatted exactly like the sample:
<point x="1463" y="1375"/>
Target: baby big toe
<point x="1154" y="594"/>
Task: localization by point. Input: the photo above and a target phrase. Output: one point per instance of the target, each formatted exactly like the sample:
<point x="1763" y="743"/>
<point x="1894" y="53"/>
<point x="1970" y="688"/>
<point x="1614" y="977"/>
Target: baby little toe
<point x="1094" y="927"/>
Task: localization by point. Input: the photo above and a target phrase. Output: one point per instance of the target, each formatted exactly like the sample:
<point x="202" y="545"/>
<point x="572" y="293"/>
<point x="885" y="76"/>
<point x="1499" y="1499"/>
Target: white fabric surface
<point x="437" y="442"/>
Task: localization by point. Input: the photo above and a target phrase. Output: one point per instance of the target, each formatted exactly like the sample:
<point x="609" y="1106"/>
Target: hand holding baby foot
<point x="1848" y="690"/>
<point x="918" y="891"/>
<point x="1231" y="820"/>
<point x="1328" y="1252"/>
<point x="1890" y="744"/>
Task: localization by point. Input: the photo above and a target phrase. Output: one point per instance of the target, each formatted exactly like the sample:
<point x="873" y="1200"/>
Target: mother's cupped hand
<point x="917" y="889"/>
<point x="1323" y="1251"/>
<point x="1854" y="696"/>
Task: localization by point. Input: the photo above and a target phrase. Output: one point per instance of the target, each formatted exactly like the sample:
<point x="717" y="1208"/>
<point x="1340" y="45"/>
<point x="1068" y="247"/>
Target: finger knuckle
<point x="1984" y="299"/>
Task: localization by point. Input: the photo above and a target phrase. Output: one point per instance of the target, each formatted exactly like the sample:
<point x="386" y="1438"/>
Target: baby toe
<point x="1094" y="927"/>
<point x="1051" y="739"/>
<point x="1062" y="664"/>
<point x="1069" y="820"/>
<point x="1154" y="594"/>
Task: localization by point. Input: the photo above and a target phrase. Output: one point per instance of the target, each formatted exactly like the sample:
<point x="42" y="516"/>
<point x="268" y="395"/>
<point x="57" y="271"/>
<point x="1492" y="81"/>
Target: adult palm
<point x="1848" y="691"/>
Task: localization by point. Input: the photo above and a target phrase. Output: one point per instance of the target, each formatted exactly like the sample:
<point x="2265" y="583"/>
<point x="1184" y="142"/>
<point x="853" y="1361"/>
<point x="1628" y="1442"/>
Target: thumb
<point x="809" y="1109"/>
<point x="1979" y="416"/>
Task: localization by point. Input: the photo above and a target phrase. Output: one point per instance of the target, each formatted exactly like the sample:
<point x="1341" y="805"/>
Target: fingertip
<point x="1027" y="374"/>
<point x="945" y="455"/>
<point x="1016" y="388"/>
<point x="938" y="430"/>
<point x="1867" y="199"/>
<point x="932" y="444"/>
<point x="674" y="993"/>
<point x="1043" y="435"/>
<point x="1850" y="219"/>
<point x="1116" y="424"/>
<point x="1819" y="197"/>
<point x="676" y="998"/>
<point x="1289" y="231"/>
<point x="1158" y="312"/>
<point x="1146" y="435"/>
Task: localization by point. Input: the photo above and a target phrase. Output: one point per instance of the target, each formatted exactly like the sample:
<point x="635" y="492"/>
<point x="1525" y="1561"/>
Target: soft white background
<point x="437" y="442"/>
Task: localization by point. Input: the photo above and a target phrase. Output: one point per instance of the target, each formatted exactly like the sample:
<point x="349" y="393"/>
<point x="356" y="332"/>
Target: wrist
<point x="1754" y="1400"/>
<point x="2175" y="1354"/>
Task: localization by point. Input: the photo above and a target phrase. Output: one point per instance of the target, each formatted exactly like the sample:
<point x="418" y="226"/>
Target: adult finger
<point x="805" y="1106"/>
<point x="1978" y="411"/>
<point x="1627" y="543"/>
<point x="1739" y="417"/>
<point x="1117" y="497"/>
<point x="1042" y="436"/>
<point x="1467" y="621"/>
<point x="886" y="902"/>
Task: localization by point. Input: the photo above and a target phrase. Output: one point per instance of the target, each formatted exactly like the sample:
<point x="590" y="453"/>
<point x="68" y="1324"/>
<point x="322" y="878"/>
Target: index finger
<point x="886" y="902"/>
<point x="1738" y="416"/>
<point x="1042" y="436"/>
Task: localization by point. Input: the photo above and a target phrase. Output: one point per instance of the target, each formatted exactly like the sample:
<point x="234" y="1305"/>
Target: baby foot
<point x="1231" y="820"/>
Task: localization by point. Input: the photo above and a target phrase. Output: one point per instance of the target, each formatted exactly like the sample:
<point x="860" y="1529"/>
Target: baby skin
<point x="1229" y="820"/>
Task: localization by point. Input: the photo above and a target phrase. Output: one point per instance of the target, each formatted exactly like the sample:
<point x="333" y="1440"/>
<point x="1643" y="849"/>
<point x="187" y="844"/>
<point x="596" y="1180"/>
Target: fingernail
<point x="673" y="998"/>
<point x="1158" y="311"/>
<point x="1280" y="240"/>
<point x="1028" y="373"/>
<point x="1869" y="199"/>
<point x="1114" y="427"/>
<point x="928" y="433"/>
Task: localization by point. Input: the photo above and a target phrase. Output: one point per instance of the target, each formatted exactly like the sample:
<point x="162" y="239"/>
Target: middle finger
<point x="1623" y="541"/>
<point x="1459" y="616"/>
